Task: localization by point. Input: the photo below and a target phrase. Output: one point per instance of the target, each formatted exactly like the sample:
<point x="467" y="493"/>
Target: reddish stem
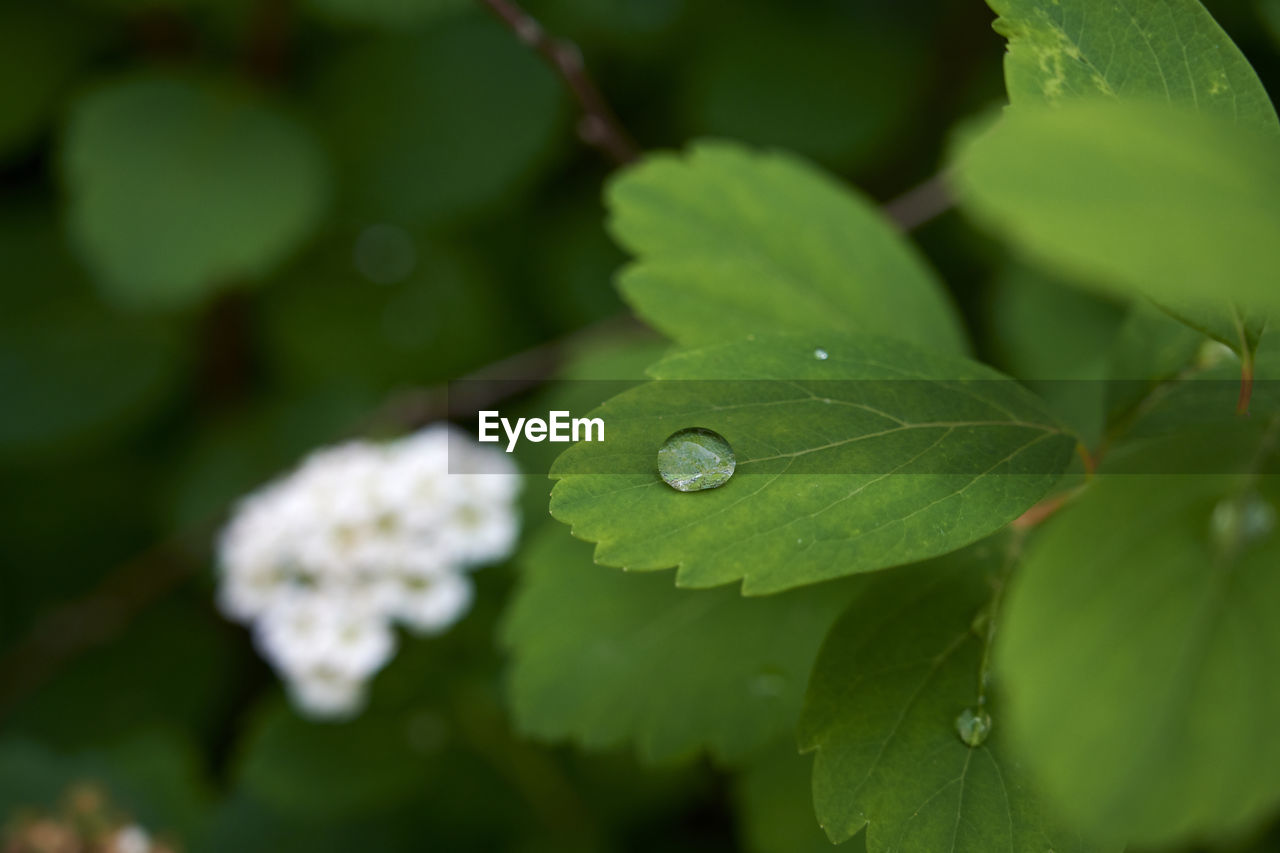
<point x="599" y="126"/>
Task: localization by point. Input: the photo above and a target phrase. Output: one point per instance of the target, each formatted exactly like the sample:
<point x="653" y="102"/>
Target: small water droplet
<point x="769" y="684"/>
<point x="695" y="459"/>
<point x="973" y="725"/>
<point x="1242" y="520"/>
<point x="820" y="354"/>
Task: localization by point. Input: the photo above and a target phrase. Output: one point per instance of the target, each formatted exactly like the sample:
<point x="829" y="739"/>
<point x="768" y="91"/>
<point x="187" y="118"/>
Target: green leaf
<point x="1170" y="50"/>
<point x="177" y="189"/>
<point x="898" y="668"/>
<point x="440" y="124"/>
<point x="1139" y="650"/>
<point x="775" y="806"/>
<point x="1136" y="199"/>
<point x="1056" y="339"/>
<point x="607" y="658"/>
<point x="731" y="242"/>
<point x="878" y="455"/>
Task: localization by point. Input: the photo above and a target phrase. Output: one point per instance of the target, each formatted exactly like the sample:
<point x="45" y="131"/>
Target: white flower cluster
<point x="324" y="562"/>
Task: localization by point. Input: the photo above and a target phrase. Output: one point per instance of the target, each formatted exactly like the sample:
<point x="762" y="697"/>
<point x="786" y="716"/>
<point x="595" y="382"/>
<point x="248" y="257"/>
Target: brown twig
<point x="598" y="126"/>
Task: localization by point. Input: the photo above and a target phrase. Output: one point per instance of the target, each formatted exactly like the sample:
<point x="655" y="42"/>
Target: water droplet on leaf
<point x="820" y="354"/>
<point x="695" y="459"/>
<point x="1242" y="520"/>
<point x="973" y="725"/>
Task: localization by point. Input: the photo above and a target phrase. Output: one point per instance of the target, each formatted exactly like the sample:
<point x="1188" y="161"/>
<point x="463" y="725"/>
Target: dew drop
<point x="973" y="725"/>
<point x="1242" y="520"/>
<point x="820" y="354"/>
<point x="695" y="459"/>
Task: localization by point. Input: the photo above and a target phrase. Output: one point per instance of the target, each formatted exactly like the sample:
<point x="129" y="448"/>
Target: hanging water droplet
<point x="1242" y="520"/>
<point x="820" y="354"/>
<point x="695" y="459"/>
<point x="973" y="725"/>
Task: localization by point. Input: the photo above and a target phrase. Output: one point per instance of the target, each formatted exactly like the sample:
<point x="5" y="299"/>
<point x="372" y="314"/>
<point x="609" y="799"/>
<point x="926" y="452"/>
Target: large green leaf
<point x="896" y="671"/>
<point x="1135" y="198"/>
<point x="1140" y="651"/>
<point x="875" y="455"/>
<point x="606" y="658"/>
<point x="178" y="188"/>
<point x="1157" y="50"/>
<point x="1170" y="50"/>
<point x="732" y="242"/>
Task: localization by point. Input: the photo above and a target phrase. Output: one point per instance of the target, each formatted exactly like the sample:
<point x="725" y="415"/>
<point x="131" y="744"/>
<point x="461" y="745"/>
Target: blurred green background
<point x="233" y="230"/>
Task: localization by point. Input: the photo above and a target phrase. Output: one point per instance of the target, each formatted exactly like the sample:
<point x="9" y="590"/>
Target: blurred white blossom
<point x="323" y="562"/>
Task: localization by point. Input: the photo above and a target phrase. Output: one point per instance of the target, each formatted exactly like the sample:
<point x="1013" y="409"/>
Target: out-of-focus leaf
<point x="385" y="307"/>
<point x="1134" y="198"/>
<point x="1140" y="643"/>
<point x="331" y="770"/>
<point x="1057" y="340"/>
<point x="1150" y="347"/>
<point x="178" y="188"/>
<point x="774" y="795"/>
<point x="171" y="666"/>
<point x="1172" y="51"/>
<point x="806" y="83"/>
<point x="731" y="242"/>
<point x="72" y="372"/>
<point x="606" y="658"/>
<point x="441" y="124"/>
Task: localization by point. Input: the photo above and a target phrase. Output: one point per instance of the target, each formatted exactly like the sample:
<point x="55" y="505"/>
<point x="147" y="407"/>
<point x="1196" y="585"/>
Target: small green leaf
<point x="732" y="242"/>
<point x="1140" y="648"/>
<point x="896" y="671"/>
<point x="177" y="189"/>
<point x="1136" y="199"/>
<point x="1171" y="50"/>
<point x="877" y="455"/>
<point x="606" y="658"/>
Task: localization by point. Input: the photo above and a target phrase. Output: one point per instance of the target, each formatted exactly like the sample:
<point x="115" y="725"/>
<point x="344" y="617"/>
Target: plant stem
<point x="599" y="127"/>
<point x="920" y="204"/>
<point x="1012" y="554"/>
